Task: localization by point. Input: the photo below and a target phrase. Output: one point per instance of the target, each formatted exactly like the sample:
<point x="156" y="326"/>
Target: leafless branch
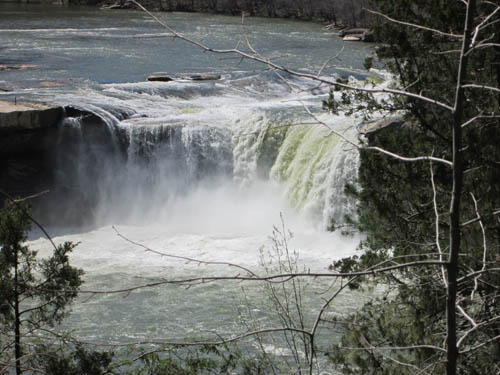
<point x="16" y="203"/>
<point x="479" y="346"/>
<point x="485" y="247"/>
<point x="475" y="327"/>
<point x="378" y="149"/>
<point x="272" y="65"/>
<point x="389" y="348"/>
<point x="162" y="254"/>
<point x="415" y="26"/>
<point x="436" y="221"/>
<point x="479" y="117"/>
<point x="24" y="368"/>
<point x="481" y="87"/>
<point x="476" y="273"/>
<point x="410" y="159"/>
<point x="277" y="278"/>
<point x="475" y="220"/>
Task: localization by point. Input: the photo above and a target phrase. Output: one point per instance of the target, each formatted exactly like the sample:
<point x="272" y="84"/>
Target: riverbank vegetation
<point x="437" y="319"/>
<point x="34" y="293"/>
<point x="428" y="202"/>
<point x="428" y="198"/>
<point x="343" y="13"/>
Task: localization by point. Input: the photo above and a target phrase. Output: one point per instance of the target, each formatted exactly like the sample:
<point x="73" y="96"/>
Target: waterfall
<point x="129" y="151"/>
<point x="314" y="165"/>
<point x="115" y="170"/>
<point x="204" y="170"/>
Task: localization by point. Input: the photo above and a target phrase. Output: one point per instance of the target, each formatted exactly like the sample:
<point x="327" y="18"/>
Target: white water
<point x="225" y="216"/>
<point x="178" y="167"/>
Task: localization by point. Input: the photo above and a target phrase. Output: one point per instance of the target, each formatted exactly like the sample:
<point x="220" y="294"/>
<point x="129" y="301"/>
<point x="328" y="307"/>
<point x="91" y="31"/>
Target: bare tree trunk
<point x="353" y="14"/>
<point x="17" y="316"/>
<point x="455" y="233"/>
<point x="496" y="65"/>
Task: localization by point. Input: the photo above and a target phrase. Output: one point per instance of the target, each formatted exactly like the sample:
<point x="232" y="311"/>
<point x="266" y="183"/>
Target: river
<point x="200" y="170"/>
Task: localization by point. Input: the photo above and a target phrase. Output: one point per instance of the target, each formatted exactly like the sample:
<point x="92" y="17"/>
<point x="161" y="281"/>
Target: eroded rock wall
<point x="38" y="146"/>
<point x="26" y="132"/>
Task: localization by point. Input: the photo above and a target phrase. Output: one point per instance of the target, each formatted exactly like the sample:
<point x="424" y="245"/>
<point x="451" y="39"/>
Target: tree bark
<point x="17" y="316"/>
<point x="455" y="233"/>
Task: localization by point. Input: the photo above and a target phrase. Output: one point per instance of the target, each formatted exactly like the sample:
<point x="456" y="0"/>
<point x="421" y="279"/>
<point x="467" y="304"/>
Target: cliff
<point x="27" y="131"/>
<point x="33" y="149"/>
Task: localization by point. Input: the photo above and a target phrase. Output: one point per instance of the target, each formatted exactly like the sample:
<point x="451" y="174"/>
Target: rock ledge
<point x="15" y="116"/>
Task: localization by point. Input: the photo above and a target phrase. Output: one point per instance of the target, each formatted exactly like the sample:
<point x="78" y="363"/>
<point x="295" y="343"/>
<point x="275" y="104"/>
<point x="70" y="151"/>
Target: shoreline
<point x="319" y="14"/>
<point x="336" y="16"/>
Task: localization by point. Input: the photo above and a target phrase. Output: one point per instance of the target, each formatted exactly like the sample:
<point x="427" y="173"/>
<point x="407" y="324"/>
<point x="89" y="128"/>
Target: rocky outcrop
<point x="160" y="77"/>
<point x="165" y="77"/>
<point x="18" y="116"/>
<point x="23" y="125"/>
<point x="204" y="77"/>
<point x="6" y="86"/>
<point x="34" y="148"/>
<point x="119" y="5"/>
<point x="359" y="34"/>
<point x="16" y="67"/>
<point x="27" y="132"/>
<point x="347" y="32"/>
<point x="368" y="127"/>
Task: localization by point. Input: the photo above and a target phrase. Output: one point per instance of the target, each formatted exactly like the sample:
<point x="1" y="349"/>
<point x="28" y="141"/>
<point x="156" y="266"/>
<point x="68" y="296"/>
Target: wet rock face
<point x="35" y="146"/>
<point x="26" y="136"/>
<point x="26" y="128"/>
<point x="92" y="168"/>
<point x="26" y="166"/>
<point x="18" y="116"/>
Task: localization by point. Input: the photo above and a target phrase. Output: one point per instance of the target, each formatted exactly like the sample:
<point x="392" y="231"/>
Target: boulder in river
<point x="6" y="87"/>
<point x="165" y="77"/>
<point x="119" y="5"/>
<point x="358" y="34"/>
<point x="16" y="67"/>
<point x="357" y="31"/>
<point x="160" y="77"/>
<point x="205" y="77"/>
<point x="352" y="38"/>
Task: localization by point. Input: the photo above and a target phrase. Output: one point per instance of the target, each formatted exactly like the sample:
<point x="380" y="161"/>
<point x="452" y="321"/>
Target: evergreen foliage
<point x="60" y="360"/>
<point x="397" y="209"/>
<point x="402" y="332"/>
<point x="205" y="360"/>
<point x="34" y="292"/>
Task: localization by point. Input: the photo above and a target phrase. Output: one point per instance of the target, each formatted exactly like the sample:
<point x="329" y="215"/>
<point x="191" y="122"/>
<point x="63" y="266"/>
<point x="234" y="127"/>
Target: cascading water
<point x="205" y="179"/>
<point x="137" y="164"/>
<point x="129" y="171"/>
<point x="202" y="170"/>
<point x="314" y="165"/>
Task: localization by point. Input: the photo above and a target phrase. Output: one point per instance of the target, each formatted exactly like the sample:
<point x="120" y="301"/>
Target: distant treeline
<point x="343" y="13"/>
<point x="347" y="13"/>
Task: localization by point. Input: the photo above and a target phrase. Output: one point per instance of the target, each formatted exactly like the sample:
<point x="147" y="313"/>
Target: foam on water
<point x="212" y="225"/>
<point x="201" y="170"/>
<point x="218" y="136"/>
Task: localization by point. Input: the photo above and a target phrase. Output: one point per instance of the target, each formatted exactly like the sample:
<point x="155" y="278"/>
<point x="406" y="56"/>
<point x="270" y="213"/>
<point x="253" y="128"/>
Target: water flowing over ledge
<point x="205" y="170"/>
<point x="111" y="148"/>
